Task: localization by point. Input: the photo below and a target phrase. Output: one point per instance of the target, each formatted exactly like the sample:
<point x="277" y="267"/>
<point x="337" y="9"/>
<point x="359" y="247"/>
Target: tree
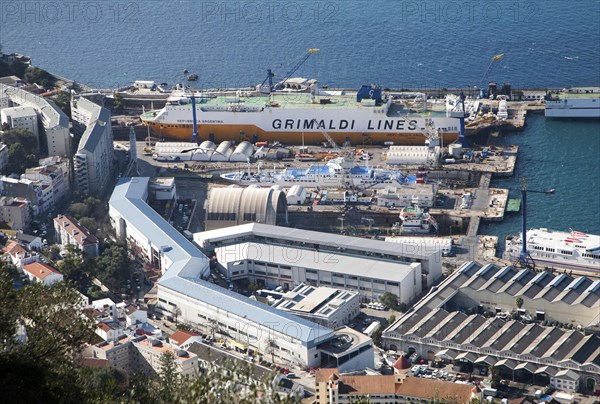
<point x="112" y="266"/>
<point x="41" y="328"/>
<point x="169" y="376"/>
<point x="391" y="319"/>
<point x="519" y="302"/>
<point x="390" y="300"/>
<point x="176" y="312"/>
<point x="23" y="137"/>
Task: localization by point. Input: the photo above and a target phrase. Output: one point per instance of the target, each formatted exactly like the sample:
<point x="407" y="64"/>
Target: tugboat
<point x="416" y="220"/>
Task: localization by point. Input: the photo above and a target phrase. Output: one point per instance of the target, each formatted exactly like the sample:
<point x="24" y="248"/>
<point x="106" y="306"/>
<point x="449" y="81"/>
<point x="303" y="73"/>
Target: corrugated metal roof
<point x="188" y="263"/>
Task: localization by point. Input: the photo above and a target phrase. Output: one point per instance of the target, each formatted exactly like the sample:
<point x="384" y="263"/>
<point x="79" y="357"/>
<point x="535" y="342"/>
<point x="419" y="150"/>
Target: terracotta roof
<point x="14" y="248"/>
<point x="429" y="389"/>
<point x="323" y="375"/>
<point x="40" y="270"/>
<point x="75" y="230"/>
<point x="361" y="385"/>
<point x="93" y="362"/>
<point x="104" y="327"/>
<point x="402" y="363"/>
<point x="180" y="336"/>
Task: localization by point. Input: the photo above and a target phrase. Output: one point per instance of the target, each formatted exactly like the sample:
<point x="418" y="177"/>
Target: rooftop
<point x="75" y="230"/>
<point x="40" y="270"/>
<point x="187" y="263"/>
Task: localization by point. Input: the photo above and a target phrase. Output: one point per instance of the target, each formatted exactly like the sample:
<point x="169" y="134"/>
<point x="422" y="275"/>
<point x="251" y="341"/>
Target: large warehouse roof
<point x="336" y="241"/>
<point x="187" y="263"/>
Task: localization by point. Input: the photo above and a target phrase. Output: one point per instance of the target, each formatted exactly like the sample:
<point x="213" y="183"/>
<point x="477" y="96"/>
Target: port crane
<point x="525" y="260"/>
<point x="293" y="70"/>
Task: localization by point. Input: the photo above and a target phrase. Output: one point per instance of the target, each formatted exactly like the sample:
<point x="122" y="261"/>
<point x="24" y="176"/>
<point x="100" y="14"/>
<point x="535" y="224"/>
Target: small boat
<point x="185" y="71"/>
<point x="192" y="77"/>
<point x="550" y="191"/>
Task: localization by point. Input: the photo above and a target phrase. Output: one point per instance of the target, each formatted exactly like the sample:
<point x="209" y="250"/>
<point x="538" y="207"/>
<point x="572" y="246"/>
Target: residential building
<point x="132" y="315"/>
<point x="53" y="173"/>
<point x="38" y="272"/>
<point x="15" y="212"/>
<point x="282" y="256"/>
<point x="323" y="305"/>
<point x="18" y="255"/>
<point x="31" y="242"/>
<point x="151" y="351"/>
<point x="142" y="354"/>
<point x="527" y="324"/>
<point x="3" y="156"/>
<point x="210" y="308"/>
<point x="20" y="118"/>
<point x="109" y="330"/>
<point x="106" y="309"/>
<point x="69" y="231"/>
<point x="35" y="192"/>
<point x="93" y="160"/>
<point x="183" y="339"/>
<point x="54" y="130"/>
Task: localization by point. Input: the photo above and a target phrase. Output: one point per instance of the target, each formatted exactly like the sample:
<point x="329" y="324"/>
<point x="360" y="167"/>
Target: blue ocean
<point x="400" y="44"/>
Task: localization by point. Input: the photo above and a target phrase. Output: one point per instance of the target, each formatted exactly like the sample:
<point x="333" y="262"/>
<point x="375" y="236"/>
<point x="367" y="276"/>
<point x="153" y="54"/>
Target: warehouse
<point x="281" y="256"/>
<point x="242" y="153"/>
<point x="232" y="206"/>
<point x="223" y="152"/>
<point x="474" y="319"/>
<point x="210" y="308"/>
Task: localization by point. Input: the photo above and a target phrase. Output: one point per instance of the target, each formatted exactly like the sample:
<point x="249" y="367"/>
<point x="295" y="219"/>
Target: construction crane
<point x="292" y="70"/>
<point x="525" y="260"/>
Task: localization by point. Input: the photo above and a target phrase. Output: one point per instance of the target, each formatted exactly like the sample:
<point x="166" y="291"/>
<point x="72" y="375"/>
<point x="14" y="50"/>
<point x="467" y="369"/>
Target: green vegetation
<point x="519" y="302"/>
<point x="63" y="101"/>
<point x="42" y="330"/>
<point x="92" y="213"/>
<point x="39" y="76"/>
<point x="22" y="150"/>
<point x="390" y="300"/>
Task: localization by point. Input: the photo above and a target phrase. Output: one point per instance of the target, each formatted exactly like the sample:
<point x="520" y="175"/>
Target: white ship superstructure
<point x="574" y="249"/>
<point x="337" y="173"/>
<point x="575" y="103"/>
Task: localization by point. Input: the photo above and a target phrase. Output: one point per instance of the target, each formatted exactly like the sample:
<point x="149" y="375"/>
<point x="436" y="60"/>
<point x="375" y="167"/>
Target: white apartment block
<point x="54" y="131"/>
<point x="142" y="354"/>
<point x="20" y="117"/>
<point x="15" y="212"/>
<point x="93" y="160"/>
<point x="69" y="231"/>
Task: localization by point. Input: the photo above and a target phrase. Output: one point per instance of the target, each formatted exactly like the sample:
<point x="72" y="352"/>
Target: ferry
<point x="575" y="103"/>
<point x="337" y="173"/>
<point x="367" y="116"/>
<point x="559" y="249"/>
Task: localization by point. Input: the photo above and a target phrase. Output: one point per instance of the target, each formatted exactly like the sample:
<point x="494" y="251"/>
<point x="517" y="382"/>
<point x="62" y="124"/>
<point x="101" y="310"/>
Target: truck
<point x="372" y="328"/>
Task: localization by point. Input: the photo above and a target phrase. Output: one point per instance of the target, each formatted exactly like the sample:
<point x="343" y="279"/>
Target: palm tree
<point x="519" y="302"/>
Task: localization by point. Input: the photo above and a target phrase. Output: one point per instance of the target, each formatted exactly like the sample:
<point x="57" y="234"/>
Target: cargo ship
<point x="575" y="103"/>
<point x="558" y="249"/>
<point x="367" y="116"/>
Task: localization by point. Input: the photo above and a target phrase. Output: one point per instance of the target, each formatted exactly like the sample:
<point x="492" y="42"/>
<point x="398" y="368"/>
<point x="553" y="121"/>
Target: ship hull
<point x="252" y="133"/>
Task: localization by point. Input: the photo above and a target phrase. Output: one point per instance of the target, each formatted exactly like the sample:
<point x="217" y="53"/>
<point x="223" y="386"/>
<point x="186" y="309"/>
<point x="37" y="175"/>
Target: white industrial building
<point x="20" y="117"/>
<point x="411" y="155"/>
<point x="163" y="189"/>
<point x="54" y="132"/>
<point x="213" y="309"/>
<point x="407" y="195"/>
<point x="223" y="152"/>
<point x="93" y="160"/>
<point x="433" y="244"/>
<point x="282" y="256"/>
<point x="242" y="153"/>
<point x="327" y="306"/>
<point x="296" y="195"/>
